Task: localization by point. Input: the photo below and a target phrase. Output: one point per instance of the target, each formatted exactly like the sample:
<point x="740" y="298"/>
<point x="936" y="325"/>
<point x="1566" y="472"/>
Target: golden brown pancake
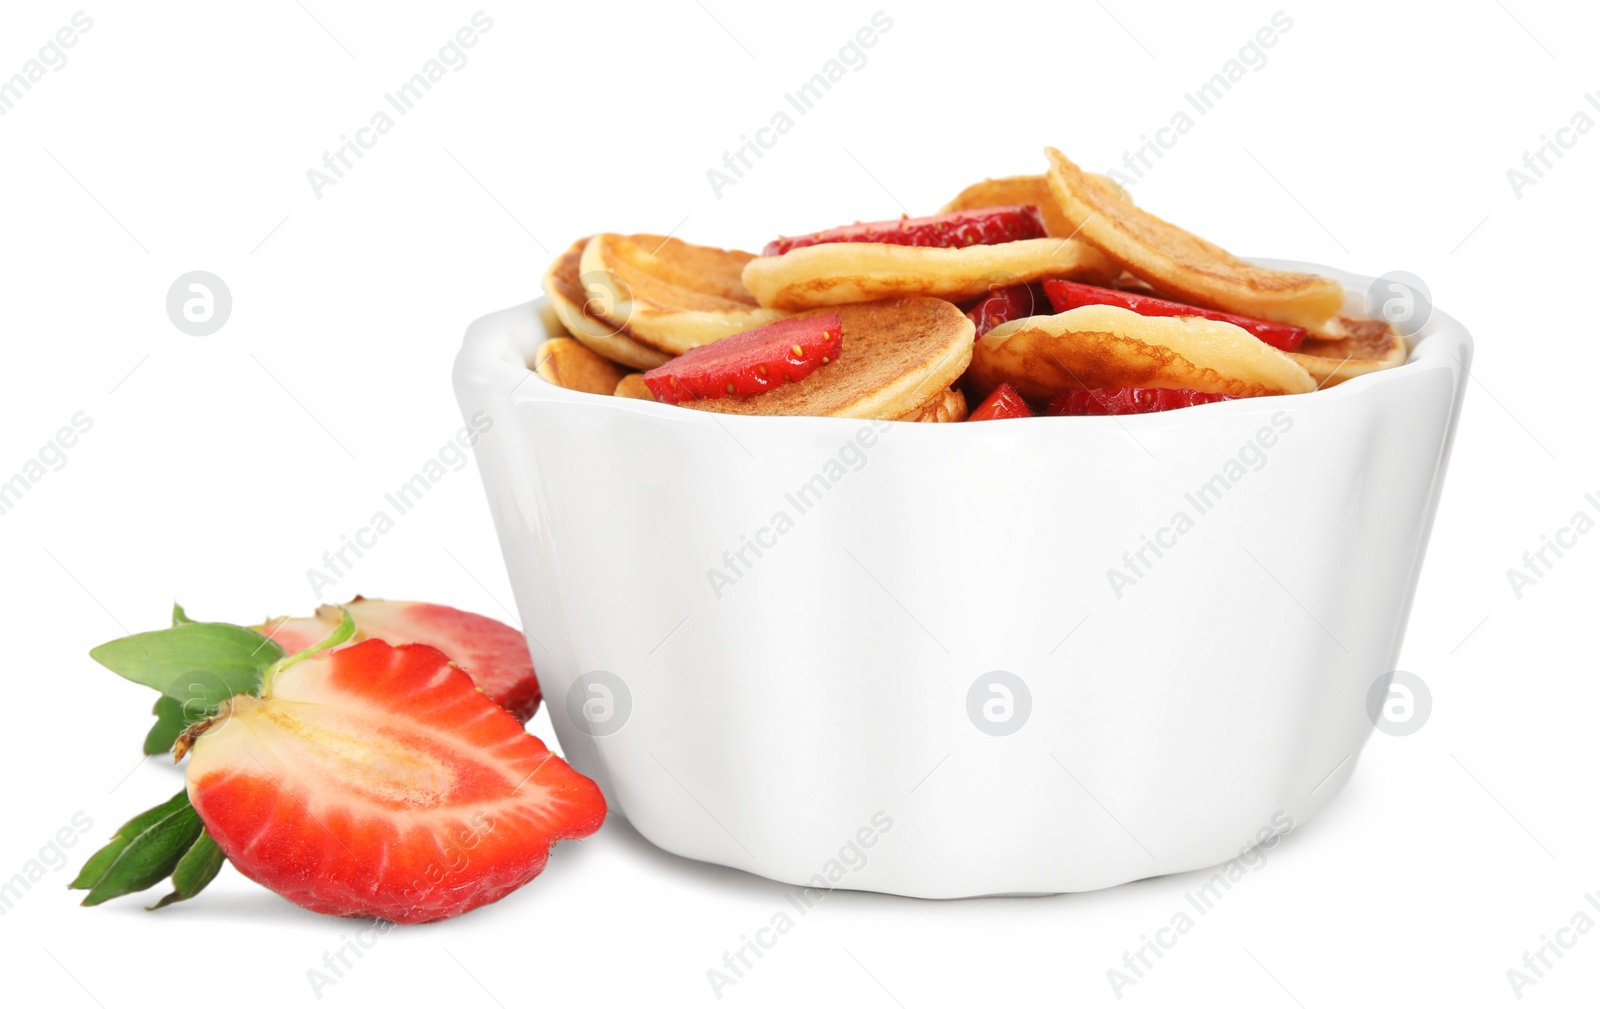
<point x="894" y="357"/>
<point x="565" y="362"/>
<point x="948" y="407"/>
<point x="571" y="304"/>
<point x="842" y="273"/>
<point x="1183" y="266"/>
<point x="550" y="320"/>
<point x="1103" y="347"/>
<point x="1365" y="346"/>
<point x="633" y="387"/>
<point x="670" y="294"/>
<point x="1026" y="189"/>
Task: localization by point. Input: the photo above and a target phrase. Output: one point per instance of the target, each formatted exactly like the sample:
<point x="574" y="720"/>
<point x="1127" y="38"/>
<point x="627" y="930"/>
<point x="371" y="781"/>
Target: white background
<point x="219" y="469"/>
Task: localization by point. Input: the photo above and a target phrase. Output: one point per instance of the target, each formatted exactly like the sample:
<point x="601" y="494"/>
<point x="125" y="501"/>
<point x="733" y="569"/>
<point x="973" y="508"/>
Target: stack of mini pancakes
<point x="631" y="303"/>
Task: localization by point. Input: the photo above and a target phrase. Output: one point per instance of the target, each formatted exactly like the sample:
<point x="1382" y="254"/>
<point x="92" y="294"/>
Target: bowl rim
<point x="490" y="356"/>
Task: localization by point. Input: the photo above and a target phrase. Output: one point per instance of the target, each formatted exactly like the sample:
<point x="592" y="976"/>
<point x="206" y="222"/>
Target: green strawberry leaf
<point x="198" y="866"/>
<point x="149" y="853"/>
<point x="169" y="712"/>
<point x="170" y="723"/>
<point x="101" y="861"/>
<point x="199" y="665"/>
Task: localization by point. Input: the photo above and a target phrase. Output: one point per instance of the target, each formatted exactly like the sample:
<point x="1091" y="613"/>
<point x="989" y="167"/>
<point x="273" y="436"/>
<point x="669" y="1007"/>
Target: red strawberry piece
<point x="494" y="655"/>
<point x="1103" y="402"/>
<point x="750" y="362"/>
<point x="988" y="226"/>
<point x="1002" y="404"/>
<point x="1066" y="295"/>
<point x="375" y="781"/>
<point x="1003" y="304"/>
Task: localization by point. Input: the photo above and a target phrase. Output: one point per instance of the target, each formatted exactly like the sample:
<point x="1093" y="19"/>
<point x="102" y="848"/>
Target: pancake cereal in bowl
<point x="1129" y="632"/>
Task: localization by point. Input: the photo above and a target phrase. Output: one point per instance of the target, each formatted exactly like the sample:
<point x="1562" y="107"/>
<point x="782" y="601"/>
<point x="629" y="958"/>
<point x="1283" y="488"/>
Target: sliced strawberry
<point x="1003" y="304"/>
<point x="375" y="781"/>
<point x="1066" y="295"/>
<point x="1004" y="403"/>
<point x="494" y="655"/>
<point x="1103" y="402"/>
<point x="750" y="362"/>
<point x="988" y="226"/>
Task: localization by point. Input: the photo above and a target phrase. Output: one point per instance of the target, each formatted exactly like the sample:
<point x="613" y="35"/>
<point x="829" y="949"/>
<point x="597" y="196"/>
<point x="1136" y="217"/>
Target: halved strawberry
<point x="378" y="781"/>
<point x="1004" y="403"/>
<point x="750" y="362"/>
<point x="1066" y="295"/>
<point x="988" y="226"/>
<point x="372" y="780"/>
<point x="1104" y="402"/>
<point x="1003" y="304"/>
<point x="494" y="655"/>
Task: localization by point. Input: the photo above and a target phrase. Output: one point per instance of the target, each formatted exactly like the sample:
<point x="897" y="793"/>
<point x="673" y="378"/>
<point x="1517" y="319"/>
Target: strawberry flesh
<point x="1066" y="295"/>
<point x="1107" y="402"/>
<point x="750" y="362"/>
<point x="494" y="655"/>
<point x="378" y="781"/>
<point x="988" y="226"/>
<point x="1003" y="304"/>
<point x="1004" y="403"/>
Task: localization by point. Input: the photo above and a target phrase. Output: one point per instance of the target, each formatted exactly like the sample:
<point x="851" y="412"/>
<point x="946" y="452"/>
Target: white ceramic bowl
<point x="832" y="715"/>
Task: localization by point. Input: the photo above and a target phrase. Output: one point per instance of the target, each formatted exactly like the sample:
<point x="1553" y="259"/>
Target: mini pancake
<point x="1104" y="347"/>
<point x="565" y="362"/>
<point x="948" y="407"/>
<point x="551" y="321"/>
<point x="570" y="303"/>
<point x="1367" y="345"/>
<point x="894" y="357"/>
<point x="1182" y="266"/>
<point x="1032" y="189"/>
<point x="843" y="273"/>
<point x="670" y="294"/>
<point x="633" y="387"/>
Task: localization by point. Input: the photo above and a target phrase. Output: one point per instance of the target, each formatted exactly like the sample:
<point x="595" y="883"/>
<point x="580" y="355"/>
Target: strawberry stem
<point x="344" y="632"/>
